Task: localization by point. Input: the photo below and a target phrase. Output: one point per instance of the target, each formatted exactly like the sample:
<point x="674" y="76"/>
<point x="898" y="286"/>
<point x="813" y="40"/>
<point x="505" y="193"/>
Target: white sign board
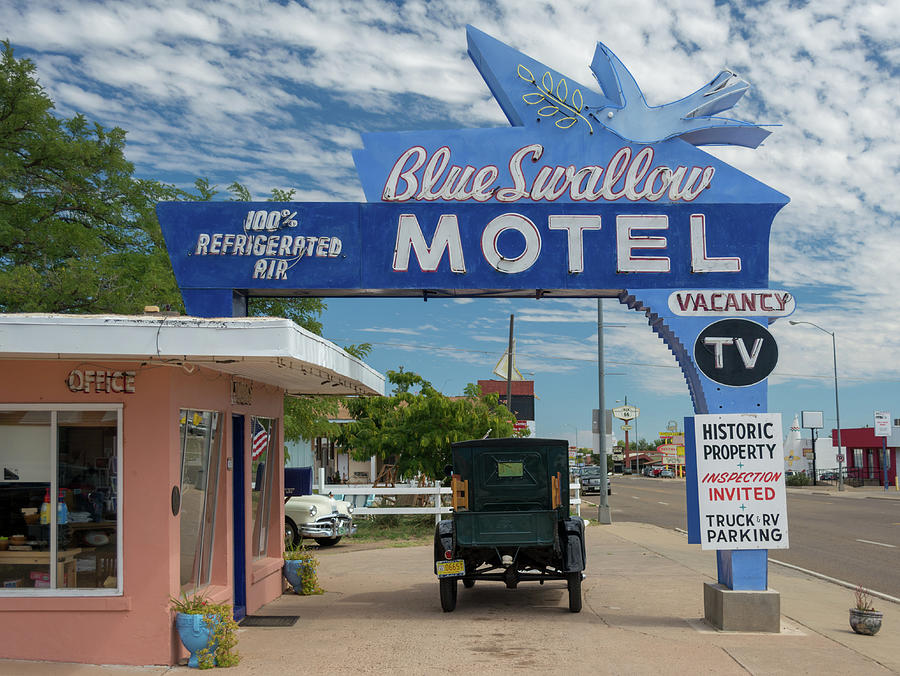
<point x="882" y="423"/>
<point x="740" y="475"/>
<point x="626" y="412"/>
<point x="812" y="420"/>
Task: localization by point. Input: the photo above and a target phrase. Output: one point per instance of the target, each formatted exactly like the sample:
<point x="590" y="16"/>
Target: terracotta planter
<point x="865" y="622"/>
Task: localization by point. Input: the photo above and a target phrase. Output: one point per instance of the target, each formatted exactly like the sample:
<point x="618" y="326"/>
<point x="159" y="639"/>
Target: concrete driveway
<point x="642" y="613"/>
<point x="643" y="604"/>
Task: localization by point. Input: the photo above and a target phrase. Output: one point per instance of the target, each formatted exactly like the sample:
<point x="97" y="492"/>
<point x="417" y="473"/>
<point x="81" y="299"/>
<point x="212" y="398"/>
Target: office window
<point x="59" y="500"/>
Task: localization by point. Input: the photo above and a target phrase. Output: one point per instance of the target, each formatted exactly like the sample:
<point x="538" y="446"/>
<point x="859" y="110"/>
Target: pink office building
<point x="142" y="457"/>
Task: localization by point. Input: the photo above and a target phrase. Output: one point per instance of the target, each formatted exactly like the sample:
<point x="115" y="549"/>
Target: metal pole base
<point x="603" y="514"/>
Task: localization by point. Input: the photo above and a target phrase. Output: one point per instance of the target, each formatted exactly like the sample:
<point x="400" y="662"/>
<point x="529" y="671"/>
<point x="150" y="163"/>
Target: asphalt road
<point x="852" y="539"/>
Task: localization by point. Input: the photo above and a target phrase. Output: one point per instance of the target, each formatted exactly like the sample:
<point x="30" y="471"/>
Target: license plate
<point x="341" y="530"/>
<point x="454" y="568"/>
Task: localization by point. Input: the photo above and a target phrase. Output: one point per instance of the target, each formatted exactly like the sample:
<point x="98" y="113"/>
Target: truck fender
<point x="443" y="539"/>
<point x="573" y="541"/>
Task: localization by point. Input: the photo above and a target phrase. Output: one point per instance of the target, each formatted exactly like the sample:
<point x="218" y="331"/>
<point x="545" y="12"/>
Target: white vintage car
<point x="319" y="517"/>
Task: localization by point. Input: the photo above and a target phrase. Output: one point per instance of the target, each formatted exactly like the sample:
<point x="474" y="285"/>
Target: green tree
<point x="78" y="232"/>
<point x="417" y="424"/>
<point x="309" y="417"/>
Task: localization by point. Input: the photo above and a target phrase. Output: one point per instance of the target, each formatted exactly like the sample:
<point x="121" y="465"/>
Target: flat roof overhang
<point x="271" y="350"/>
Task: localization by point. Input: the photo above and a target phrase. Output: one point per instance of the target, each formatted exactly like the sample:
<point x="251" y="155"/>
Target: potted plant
<point x="207" y="630"/>
<point x="300" y="570"/>
<point x="4" y="542"/>
<point x="864" y="619"/>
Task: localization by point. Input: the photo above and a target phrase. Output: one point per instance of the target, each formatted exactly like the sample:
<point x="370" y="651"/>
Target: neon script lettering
<point x="628" y="175"/>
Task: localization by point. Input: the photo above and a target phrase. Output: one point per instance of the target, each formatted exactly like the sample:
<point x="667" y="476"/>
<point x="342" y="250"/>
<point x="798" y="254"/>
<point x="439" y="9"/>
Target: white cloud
<point x="276" y="94"/>
<point x="402" y="332"/>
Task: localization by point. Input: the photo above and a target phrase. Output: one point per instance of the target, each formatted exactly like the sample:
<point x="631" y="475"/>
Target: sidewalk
<point x="875" y="492"/>
<point x="642" y="614"/>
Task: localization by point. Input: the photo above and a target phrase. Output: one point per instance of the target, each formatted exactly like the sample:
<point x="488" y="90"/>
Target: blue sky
<point x="276" y="94"/>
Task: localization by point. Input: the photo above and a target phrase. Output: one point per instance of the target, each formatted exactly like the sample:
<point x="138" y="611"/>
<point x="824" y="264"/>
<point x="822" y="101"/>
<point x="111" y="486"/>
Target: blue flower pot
<point x="196" y="634"/>
<point x="292" y="571"/>
<point x="865" y="622"/>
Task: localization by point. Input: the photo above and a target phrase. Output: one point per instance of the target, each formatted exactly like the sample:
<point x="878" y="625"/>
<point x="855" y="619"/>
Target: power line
<point x="488" y="353"/>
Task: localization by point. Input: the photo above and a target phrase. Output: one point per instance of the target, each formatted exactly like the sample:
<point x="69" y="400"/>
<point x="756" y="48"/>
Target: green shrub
<point x="797" y="480"/>
<point x="219" y="616"/>
<point x="309" y="578"/>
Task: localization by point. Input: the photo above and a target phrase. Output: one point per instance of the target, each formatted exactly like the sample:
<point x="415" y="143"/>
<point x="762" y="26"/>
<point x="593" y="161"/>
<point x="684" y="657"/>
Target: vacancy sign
<point x="740" y="475"/>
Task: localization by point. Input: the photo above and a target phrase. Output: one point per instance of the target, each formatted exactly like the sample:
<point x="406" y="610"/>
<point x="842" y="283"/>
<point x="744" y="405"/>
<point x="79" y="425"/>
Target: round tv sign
<point x="736" y="352"/>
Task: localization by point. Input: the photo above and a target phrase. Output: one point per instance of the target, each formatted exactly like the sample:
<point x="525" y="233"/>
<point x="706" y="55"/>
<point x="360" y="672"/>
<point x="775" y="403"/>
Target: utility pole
<point x="509" y="366"/>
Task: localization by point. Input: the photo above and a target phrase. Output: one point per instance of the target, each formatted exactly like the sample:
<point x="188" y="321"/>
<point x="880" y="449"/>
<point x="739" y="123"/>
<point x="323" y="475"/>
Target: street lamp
<point x="837" y="406"/>
<point x="574" y="429"/>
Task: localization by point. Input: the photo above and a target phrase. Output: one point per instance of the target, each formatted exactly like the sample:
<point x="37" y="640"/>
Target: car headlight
<point x="349" y="509"/>
<point x="312" y="510"/>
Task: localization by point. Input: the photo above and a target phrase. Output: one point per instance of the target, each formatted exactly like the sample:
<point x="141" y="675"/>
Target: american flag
<point x="260" y="440"/>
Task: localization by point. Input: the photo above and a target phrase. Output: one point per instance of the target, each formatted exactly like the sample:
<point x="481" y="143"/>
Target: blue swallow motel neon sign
<point x="586" y="193"/>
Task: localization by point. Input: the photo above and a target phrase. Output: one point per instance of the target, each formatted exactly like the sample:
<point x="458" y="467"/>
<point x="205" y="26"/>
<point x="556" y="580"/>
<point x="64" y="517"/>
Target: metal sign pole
<point x="812" y="432"/>
<point x="603" y="513"/>
<point x="883" y="430"/>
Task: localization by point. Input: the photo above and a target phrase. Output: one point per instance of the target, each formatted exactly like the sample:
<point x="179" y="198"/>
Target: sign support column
<point x="738" y="570"/>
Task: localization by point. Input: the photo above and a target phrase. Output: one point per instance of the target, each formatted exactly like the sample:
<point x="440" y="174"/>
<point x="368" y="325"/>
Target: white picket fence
<point x="432" y="492"/>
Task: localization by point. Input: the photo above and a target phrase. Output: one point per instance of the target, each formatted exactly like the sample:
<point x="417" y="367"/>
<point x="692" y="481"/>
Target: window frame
<point x="65" y="592"/>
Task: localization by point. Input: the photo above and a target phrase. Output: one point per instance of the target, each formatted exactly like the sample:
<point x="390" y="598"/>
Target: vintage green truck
<point x="510" y="520"/>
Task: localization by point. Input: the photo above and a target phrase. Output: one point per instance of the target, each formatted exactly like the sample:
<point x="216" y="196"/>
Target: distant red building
<point x="864" y="453"/>
<point x="522" y="397"/>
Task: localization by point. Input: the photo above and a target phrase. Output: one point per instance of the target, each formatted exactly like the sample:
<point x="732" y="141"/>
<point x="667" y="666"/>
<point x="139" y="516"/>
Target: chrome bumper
<point x="329" y="527"/>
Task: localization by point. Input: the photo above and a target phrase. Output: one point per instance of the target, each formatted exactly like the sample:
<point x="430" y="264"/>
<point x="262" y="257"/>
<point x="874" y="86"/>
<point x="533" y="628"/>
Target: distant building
<point x="324" y="453"/>
<point x="826" y="453"/>
<point x="522" y="399"/>
<point x="795" y="460"/>
<point x="863" y="451"/>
